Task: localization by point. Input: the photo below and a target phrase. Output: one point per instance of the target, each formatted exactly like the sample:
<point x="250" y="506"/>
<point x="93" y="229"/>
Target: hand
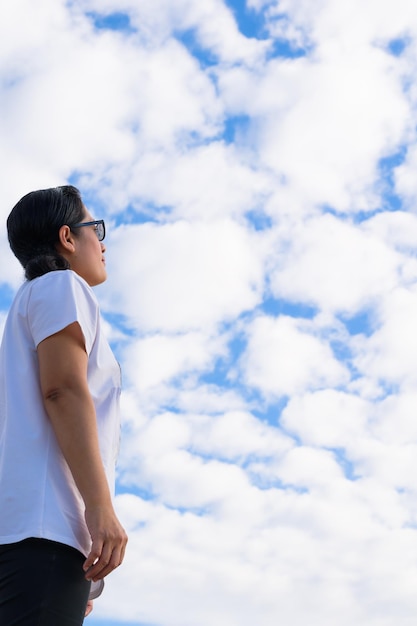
<point x="109" y="542"/>
<point x="89" y="608"/>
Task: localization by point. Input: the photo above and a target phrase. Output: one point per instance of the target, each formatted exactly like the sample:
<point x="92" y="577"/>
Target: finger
<point x="122" y="552"/>
<point x="89" y="608"/>
<point x="95" y="554"/>
<point x="113" y="562"/>
<point x="116" y="558"/>
<point x="94" y="573"/>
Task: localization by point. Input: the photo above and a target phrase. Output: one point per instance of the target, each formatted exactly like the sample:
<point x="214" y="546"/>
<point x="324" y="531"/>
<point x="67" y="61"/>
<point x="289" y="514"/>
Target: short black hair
<point x="33" y="227"/>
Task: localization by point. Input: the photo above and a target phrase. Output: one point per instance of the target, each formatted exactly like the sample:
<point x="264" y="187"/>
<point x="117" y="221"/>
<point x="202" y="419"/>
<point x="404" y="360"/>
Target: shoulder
<point x="58" y="277"/>
<point x="58" y="299"/>
<point x="62" y="283"/>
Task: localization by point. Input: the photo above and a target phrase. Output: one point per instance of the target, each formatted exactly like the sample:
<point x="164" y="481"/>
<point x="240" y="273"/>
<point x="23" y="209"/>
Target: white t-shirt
<point x="38" y="496"/>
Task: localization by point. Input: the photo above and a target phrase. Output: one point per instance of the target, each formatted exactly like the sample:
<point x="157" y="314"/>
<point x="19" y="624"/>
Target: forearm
<point x="73" y="419"/>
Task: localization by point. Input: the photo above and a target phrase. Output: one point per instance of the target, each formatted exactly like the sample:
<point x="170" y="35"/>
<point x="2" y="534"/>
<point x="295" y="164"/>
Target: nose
<point x="103" y="246"/>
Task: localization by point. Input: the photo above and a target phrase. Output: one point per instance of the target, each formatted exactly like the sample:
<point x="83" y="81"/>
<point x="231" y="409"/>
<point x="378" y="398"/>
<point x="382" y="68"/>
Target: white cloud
<point x="207" y="182"/>
<point x="157" y="359"/>
<point x="284" y="357"/>
<point x="209" y="398"/>
<point x="319" y="21"/>
<point x="308" y="467"/>
<point x="405" y="178"/>
<point x="389" y="354"/>
<point x="325" y="120"/>
<point x="328" y="144"/>
<point x="211" y="21"/>
<point x="395" y="422"/>
<point x="245" y="508"/>
<point x="179" y="477"/>
<point x="173" y="96"/>
<point x="184" y="276"/>
<point x="214" y="563"/>
<point x="236" y="436"/>
<point x="77" y="86"/>
<point x="334" y="265"/>
<point x="328" y="418"/>
<point x="397" y="229"/>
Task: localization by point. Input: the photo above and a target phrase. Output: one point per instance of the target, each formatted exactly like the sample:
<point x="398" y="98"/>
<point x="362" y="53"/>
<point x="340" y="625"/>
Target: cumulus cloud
<point x="157" y="358"/>
<point x="211" y="22"/>
<point x="334" y="265"/>
<point x="389" y="354"/>
<point x="207" y="182"/>
<point x="327" y="418"/>
<point x="284" y="357"/>
<point x="259" y="195"/>
<point x="185" y="275"/>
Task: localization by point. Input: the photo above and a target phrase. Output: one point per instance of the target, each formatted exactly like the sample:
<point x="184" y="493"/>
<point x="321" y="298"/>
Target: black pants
<point x="42" y="583"/>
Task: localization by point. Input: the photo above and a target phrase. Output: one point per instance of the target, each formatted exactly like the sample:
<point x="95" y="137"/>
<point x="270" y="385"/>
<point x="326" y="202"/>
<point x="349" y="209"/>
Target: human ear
<point x="66" y="241"/>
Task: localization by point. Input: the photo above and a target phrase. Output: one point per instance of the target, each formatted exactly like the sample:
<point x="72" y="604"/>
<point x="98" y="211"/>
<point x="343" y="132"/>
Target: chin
<point x="96" y="280"/>
<point x="99" y="282"/>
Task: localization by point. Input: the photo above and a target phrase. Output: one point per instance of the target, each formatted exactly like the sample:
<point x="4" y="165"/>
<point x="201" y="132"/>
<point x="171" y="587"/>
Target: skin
<point x="63" y="365"/>
<point x="84" y="252"/>
<point x="89" y="608"/>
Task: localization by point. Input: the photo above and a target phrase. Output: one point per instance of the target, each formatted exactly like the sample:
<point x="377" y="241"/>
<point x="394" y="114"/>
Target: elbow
<point x="62" y="393"/>
<point x="54" y="394"/>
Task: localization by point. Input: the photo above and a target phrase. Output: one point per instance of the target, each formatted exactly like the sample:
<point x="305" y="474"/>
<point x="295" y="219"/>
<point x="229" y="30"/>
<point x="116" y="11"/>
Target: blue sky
<point x="255" y="164"/>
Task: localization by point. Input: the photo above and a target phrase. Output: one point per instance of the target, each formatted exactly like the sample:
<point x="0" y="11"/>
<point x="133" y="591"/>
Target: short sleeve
<point x="59" y="299"/>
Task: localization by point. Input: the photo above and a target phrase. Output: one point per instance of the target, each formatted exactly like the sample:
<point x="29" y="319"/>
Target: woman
<point x="59" y="422"/>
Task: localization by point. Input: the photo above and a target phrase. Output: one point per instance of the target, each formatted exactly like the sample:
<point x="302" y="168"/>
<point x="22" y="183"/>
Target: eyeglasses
<point x="99" y="228"/>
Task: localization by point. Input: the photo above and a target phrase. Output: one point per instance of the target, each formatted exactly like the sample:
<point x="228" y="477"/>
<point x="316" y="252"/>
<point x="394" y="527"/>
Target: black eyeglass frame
<point x="100" y="232"/>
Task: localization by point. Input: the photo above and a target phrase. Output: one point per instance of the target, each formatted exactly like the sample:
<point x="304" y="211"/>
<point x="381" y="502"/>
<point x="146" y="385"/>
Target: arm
<point x="63" y="377"/>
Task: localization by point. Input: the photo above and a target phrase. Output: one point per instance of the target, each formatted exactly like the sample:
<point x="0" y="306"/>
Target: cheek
<point x="95" y="248"/>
